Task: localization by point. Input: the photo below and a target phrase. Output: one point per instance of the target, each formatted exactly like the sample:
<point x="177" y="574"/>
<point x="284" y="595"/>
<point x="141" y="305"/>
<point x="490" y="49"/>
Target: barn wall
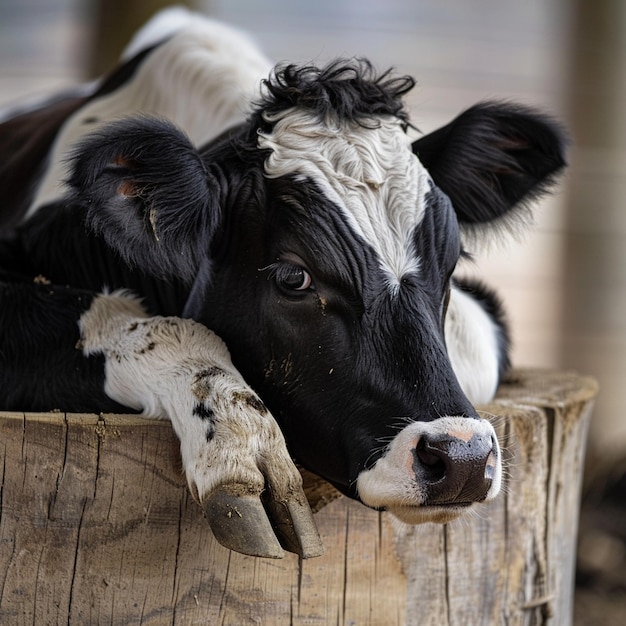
<point x="459" y="52"/>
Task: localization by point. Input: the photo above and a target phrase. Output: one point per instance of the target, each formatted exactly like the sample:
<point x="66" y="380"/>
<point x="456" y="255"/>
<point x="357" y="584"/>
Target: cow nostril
<point x="428" y="464"/>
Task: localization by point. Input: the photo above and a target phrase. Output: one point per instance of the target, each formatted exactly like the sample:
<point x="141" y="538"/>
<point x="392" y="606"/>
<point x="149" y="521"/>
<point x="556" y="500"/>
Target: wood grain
<point x="97" y="527"/>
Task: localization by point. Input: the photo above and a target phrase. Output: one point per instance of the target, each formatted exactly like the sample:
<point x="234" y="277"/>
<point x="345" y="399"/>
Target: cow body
<point x="300" y="224"/>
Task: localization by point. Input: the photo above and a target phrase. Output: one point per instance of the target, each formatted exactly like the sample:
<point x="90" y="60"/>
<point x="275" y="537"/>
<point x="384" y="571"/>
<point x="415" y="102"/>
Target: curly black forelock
<point x="345" y="89"/>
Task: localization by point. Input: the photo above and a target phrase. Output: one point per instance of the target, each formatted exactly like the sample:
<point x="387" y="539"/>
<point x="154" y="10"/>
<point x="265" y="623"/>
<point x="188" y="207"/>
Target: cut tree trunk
<point x="97" y="527"/>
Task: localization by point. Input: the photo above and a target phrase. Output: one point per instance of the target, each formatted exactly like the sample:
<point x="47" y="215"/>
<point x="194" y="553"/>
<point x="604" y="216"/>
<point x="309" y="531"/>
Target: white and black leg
<point x="234" y="454"/>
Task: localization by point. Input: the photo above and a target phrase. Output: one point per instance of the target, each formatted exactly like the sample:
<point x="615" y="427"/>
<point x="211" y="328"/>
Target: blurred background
<point x="564" y="282"/>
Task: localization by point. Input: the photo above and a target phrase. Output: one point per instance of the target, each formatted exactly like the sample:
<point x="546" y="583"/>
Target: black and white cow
<point x="294" y="218"/>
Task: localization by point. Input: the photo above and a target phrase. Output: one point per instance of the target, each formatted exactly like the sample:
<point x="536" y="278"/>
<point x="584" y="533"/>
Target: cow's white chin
<point x="423" y="514"/>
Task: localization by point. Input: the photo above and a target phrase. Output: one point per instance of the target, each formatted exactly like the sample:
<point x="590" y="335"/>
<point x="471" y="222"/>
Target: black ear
<point x="145" y="188"/>
<point x="492" y="157"/>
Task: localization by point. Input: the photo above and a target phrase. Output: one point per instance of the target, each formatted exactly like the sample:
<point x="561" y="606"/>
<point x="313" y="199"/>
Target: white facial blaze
<point x="369" y="172"/>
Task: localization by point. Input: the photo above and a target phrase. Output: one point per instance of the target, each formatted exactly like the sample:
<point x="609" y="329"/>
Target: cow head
<point x="320" y="242"/>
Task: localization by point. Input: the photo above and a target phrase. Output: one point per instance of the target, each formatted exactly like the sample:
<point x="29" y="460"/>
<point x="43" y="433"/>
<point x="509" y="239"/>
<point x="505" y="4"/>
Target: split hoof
<point x="242" y="523"/>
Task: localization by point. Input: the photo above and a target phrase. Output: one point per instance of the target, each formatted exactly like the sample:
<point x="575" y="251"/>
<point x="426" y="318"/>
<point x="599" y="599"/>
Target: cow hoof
<point x="295" y="527"/>
<point x="242" y="523"/>
<point x="239" y="523"/>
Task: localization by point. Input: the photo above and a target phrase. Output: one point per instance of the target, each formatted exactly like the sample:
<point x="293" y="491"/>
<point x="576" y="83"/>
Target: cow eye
<point x="289" y="277"/>
<point x="294" y="278"/>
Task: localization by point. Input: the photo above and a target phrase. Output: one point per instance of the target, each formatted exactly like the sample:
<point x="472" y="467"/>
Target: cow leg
<point x="233" y="452"/>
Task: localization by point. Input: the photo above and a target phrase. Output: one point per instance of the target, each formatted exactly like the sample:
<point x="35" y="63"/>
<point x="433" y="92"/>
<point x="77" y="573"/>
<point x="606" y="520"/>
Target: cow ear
<point x="491" y="158"/>
<point x="146" y="190"/>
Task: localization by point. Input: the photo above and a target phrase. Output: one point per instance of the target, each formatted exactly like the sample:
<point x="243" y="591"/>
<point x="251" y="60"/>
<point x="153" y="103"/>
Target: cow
<point x="266" y="257"/>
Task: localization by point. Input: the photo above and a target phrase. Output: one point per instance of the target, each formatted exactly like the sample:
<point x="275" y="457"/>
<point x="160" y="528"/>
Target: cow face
<point x="321" y="249"/>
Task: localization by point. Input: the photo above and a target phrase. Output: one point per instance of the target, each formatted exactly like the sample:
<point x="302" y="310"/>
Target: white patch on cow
<point x="370" y="173"/>
<point x="472" y="343"/>
<point x="203" y="79"/>
<point x="177" y="368"/>
<point x="391" y="483"/>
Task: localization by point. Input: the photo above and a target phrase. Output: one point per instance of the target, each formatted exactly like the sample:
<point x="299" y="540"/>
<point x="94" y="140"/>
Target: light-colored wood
<point x="97" y="527"/>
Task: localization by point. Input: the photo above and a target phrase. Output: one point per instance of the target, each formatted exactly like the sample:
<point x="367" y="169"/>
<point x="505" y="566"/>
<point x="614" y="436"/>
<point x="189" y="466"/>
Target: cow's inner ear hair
<point x="128" y="189"/>
<point x="145" y="188"/>
<point x="492" y="161"/>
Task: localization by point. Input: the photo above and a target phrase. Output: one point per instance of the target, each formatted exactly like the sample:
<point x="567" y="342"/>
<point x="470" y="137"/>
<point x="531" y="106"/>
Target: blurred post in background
<point x="115" y="22"/>
<point x="594" y="312"/>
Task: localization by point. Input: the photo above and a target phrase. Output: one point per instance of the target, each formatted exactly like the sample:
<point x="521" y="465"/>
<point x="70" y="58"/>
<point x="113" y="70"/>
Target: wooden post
<point x="114" y="24"/>
<point x="593" y="335"/>
<point x="97" y="527"/>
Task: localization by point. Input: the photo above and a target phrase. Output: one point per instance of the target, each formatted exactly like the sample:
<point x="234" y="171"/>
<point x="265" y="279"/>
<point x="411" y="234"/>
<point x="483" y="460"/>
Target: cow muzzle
<point x="455" y="468"/>
<point x="433" y="471"/>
